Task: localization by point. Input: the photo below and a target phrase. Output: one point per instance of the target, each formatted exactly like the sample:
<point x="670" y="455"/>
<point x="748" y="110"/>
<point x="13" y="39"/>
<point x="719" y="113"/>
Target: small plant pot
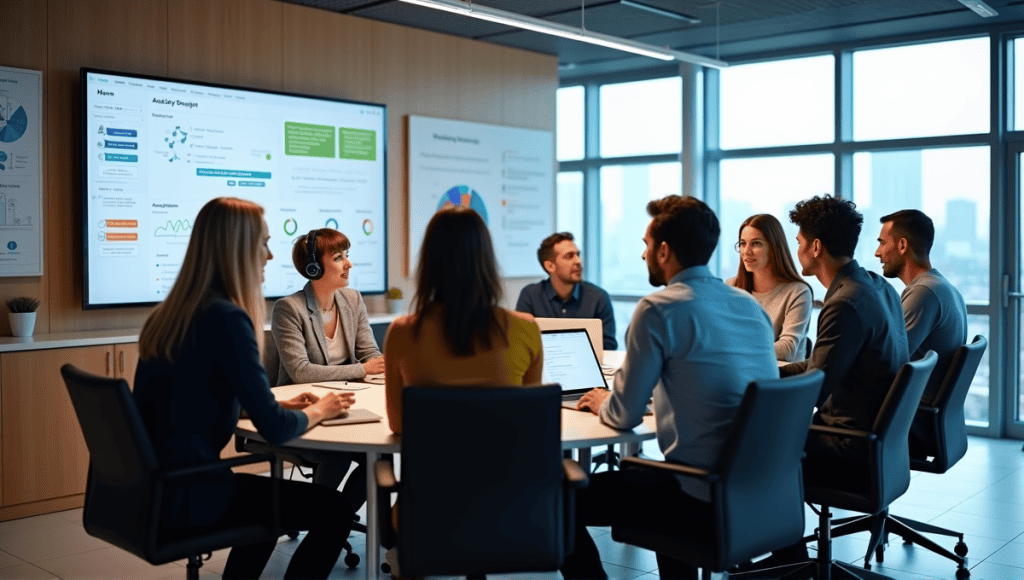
<point x="396" y="306"/>
<point x="22" y="323"/>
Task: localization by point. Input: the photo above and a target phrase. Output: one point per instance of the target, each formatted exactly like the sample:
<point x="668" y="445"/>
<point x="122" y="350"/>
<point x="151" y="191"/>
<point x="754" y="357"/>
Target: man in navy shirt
<point x="564" y="294"/>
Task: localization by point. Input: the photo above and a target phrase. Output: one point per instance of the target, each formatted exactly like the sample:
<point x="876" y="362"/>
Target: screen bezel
<point x="83" y="167"/>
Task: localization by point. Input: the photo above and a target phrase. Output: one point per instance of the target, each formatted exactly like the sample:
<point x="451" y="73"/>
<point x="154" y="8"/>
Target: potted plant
<point x="395" y="302"/>
<point x="22" y="315"/>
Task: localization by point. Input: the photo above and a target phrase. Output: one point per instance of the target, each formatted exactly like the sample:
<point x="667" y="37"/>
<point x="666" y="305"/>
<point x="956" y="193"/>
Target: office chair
<point x="126" y="482"/>
<point x="271" y="359"/>
<point x="484" y="487"/>
<point x="756" y="478"/>
<point x="848" y="486"/>
<point x="946" y="445"/>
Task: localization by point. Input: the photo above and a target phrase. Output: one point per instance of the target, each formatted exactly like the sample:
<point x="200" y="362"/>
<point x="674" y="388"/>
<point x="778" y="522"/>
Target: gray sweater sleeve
<point x="793" y="315"/>
<point x="920" y="311"/>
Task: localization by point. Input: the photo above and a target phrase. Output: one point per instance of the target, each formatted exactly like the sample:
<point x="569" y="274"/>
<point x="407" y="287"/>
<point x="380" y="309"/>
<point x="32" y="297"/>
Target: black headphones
<point x="314" y="271"/>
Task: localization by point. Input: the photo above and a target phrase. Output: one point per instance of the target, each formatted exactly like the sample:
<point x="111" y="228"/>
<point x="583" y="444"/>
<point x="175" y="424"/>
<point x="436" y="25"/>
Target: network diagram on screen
<point x="156" y="150"/>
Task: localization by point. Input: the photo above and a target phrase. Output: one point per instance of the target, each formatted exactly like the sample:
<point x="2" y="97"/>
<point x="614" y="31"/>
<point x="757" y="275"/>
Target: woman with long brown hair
<point x="767" y="271"/>
<point x="457" y="334"/>
<point x="200" y="367"/>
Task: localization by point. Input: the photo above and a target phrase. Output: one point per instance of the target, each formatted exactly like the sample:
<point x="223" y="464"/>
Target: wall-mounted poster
<point x="506" y="174"/>
<point x="21" y="172"/>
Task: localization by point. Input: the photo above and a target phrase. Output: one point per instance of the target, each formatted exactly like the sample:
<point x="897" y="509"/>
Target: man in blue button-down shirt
<point x="564" y="294"/>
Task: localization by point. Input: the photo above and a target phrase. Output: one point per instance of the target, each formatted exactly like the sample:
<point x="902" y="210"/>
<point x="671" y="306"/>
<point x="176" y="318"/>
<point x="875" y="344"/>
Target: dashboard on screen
<point x="155" y="150"/>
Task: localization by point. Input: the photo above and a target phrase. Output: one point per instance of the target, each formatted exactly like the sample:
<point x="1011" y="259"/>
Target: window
<point x="786" y="102"/>
<point x="569" y="114"/>
<point x="923" y="90"/>
<point x="769" y="185"/>
<point x="625" y="191"/>
<point x="642" y="117"/>
<point x="569" y="205"/>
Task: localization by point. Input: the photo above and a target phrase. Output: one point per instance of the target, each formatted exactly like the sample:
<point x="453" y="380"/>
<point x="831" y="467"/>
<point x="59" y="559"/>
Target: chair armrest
<point x="686" y="470"/>
<point x="840" y="432"/>
<point x="575" y="477"/>
<point x="928" y="410"/>
<point x="384" y="473"/>
<point x="218" y="465"/>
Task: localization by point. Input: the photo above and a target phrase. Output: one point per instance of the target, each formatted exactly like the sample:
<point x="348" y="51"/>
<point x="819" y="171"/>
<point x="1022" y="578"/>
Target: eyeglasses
<point x="755" y="245"/>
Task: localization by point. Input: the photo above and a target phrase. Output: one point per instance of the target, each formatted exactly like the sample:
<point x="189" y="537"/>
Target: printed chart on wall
<point x="21" y="177"/>
<point x="506" y="174"/>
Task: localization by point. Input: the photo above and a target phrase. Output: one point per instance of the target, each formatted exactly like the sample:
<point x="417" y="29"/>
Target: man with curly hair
<point x="862" y="341"/>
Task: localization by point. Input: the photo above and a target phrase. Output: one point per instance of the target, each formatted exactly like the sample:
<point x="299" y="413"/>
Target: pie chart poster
<point x="506" y="174"/>
<point x="21" y="178"/>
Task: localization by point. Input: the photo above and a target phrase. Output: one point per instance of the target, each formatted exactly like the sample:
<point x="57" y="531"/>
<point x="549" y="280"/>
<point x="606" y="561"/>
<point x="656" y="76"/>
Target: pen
<point x="336" y="386"/>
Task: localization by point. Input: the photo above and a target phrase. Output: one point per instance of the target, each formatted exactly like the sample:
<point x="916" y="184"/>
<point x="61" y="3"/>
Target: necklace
<point x="327" y="315"/>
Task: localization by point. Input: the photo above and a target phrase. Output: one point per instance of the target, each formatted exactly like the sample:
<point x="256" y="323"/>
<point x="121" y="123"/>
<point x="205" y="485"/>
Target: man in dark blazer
<point x="862" y="341"/>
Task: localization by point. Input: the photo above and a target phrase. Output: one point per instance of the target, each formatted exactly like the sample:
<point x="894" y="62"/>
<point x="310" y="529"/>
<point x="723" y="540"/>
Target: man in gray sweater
<point x="933" y="309"/>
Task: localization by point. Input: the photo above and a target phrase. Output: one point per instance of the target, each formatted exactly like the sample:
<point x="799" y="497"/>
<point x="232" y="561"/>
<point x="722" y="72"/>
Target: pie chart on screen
<point x="465" y="196"/>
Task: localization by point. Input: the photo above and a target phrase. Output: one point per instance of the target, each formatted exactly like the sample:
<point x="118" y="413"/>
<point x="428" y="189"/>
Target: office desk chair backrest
<point x="122" y="464"/>
<point x="950" y="432"/>
<point x="125" y="484"/>
<point x="759" y="467"/>
<point x="481" y="486"/>
<point x="892" y="429"/>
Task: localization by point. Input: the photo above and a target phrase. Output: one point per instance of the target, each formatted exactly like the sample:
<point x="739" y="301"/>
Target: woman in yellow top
<point x="457" y="334"/>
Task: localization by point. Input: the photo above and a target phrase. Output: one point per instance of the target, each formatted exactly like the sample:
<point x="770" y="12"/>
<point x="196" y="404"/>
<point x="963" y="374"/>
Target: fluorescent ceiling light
<point x="980" y="8"/>
<point x="553" y="28"/>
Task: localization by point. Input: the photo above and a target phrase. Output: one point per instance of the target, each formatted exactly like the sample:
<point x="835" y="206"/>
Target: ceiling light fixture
<point x="980" y="8"/>
<point x="553" y="28"/>
<point x="661" y="12"/>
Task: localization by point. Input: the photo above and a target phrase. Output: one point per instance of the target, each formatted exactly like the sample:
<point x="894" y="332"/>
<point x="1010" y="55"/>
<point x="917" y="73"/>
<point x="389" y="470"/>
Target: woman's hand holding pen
<point x="374" y="366"/>
<point x="329" y="406"/>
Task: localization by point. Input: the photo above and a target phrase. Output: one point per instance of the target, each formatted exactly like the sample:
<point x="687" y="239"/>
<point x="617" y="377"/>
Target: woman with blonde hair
<point x="767" y="271"/>
<point x="200" y="366"/>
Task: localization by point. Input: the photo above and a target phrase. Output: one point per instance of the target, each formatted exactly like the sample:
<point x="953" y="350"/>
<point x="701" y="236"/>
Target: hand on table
<point x="374" y="366"/>
<point x="300" y="402"/>
<point x="592" y="401"/>
<point x="329" y="406"/>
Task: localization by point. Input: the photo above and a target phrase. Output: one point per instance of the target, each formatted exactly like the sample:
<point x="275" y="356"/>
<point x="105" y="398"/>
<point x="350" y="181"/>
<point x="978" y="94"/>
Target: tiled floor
<point x="982" y="496"/>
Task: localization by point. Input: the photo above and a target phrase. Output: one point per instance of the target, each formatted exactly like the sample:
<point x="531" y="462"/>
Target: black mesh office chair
<point x="484" y="487"/>
<point x="126" y="482"/>
<point x="850" y="487"/>
<point x="946" y="445"/>
<point x="756" y="478"/>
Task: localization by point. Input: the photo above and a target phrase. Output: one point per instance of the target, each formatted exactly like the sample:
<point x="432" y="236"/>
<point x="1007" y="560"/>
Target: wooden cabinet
<point x="43" y="457"/>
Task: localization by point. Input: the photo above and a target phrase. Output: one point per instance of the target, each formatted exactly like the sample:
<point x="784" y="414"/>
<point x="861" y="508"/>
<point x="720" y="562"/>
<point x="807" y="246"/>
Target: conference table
<point x="580" y="430"/>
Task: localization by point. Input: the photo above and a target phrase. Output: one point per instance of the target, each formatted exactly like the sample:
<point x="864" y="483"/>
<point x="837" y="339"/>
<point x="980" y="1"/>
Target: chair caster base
<point x="352" y="560"/>
<point x="960" y="549"/>
<point x="963" y="574"/>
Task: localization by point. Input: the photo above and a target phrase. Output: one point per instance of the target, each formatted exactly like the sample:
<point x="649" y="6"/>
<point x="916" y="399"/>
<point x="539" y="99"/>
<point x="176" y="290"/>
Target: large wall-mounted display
<point x="155" y="150"/>
<point x="505" y="173"/>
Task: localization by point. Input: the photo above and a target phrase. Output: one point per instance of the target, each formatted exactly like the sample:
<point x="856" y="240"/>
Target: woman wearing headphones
<point x="200" y="366"/>
<point x="323" y="334"/>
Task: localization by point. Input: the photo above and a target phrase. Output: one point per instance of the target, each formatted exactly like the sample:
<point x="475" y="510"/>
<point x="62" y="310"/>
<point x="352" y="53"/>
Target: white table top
<point x="579" y="429"/>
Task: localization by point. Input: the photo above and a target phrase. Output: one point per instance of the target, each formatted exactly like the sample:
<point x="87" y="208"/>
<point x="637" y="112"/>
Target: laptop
<point x="594" y="326"/>
<point x="570" y="360"/>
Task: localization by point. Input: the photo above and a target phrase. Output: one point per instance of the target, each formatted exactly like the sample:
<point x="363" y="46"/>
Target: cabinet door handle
<point x="122" y="363"/>
<point x="108" y="365"/>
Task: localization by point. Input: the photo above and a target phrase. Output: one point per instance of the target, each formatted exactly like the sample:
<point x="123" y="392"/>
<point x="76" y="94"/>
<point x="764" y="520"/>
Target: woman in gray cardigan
<point x="767" y="271"/>
<point x="323" y="334"/>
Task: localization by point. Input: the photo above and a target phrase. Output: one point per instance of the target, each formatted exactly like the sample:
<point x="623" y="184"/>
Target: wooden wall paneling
<point x="480" y="87"/>
<point x="531" y="81"/>
<point x="231" y="42"/>
<point x="44" y="452"/>
<point x="432" y="75"/>
<point x="390" y="46"/>
<point x="23" y="45"/>
<point x="326" y="54"/>
<point x="79" y="35"/>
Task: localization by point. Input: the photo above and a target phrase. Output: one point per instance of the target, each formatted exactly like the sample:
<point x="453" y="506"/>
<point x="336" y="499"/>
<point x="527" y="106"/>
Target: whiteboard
<point x="507" y="174"/>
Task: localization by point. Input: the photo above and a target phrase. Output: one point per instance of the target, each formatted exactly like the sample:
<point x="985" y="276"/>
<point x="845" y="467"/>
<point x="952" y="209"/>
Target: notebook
<point x="570" y="360"/>
<point x="353" y="416"/>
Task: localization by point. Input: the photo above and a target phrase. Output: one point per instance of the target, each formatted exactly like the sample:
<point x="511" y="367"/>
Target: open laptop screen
<point x="569" y="360"/>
